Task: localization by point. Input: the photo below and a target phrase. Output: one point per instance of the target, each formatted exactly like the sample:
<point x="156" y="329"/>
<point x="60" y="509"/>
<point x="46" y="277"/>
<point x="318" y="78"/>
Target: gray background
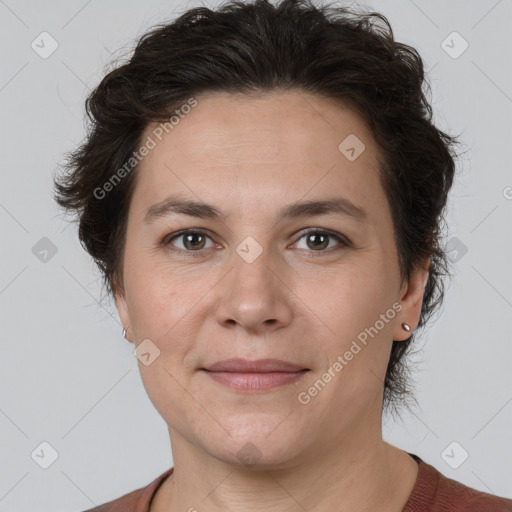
<point x="68" y="377"/>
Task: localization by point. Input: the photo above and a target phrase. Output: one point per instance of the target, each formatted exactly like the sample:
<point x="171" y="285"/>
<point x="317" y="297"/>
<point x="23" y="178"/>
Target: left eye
<point x="319" y="240"/>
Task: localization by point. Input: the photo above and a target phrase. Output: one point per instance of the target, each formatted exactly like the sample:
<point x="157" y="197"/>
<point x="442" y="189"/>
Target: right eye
<point x="192" y="240"/>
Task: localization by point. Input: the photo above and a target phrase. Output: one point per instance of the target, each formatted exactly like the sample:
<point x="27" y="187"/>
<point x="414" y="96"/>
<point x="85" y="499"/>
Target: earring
<point x="124" y="332"/>
<point x="405" y="327"/>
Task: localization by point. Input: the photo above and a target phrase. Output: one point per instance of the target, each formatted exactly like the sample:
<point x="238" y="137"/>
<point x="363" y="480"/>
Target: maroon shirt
<point x="432" y="492"/>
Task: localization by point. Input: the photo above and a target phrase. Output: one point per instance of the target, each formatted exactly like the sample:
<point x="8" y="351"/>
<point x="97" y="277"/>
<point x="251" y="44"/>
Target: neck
<point x="360" y="473"/>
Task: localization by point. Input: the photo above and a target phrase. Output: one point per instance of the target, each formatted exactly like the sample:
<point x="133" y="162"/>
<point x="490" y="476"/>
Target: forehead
<point x="273" y="148"/>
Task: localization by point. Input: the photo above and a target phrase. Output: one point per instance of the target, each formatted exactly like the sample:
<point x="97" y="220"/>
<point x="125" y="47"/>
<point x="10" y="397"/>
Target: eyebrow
<point x="202" y="210"/>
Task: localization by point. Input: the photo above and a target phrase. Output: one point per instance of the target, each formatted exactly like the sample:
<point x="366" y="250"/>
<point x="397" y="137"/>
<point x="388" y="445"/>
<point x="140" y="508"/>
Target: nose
<point x="254" y="296"/>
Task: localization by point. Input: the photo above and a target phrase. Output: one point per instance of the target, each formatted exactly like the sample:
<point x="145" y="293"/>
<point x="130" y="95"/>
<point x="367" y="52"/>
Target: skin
<point x="250" y="157"/>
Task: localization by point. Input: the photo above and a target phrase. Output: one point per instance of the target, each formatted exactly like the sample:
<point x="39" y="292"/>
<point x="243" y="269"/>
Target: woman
<point x="263" y="189"/>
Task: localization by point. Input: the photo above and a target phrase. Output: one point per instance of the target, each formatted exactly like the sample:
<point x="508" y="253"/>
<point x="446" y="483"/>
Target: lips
<point x="257" y="366"/>
<point x="247" y="376"/>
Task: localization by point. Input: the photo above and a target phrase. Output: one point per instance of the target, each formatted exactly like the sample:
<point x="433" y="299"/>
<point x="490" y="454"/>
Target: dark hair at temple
<point x="254" y="48"/>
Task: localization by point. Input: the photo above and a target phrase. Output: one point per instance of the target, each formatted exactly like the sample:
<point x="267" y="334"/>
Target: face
<point x="243" y="280"/>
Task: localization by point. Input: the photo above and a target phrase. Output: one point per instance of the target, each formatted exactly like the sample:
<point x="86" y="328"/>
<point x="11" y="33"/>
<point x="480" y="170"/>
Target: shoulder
<point x="454" y="496"/>
<point x="138" y="500"/>
<point x="126" y="503"/>
<point x="434" y="492"/>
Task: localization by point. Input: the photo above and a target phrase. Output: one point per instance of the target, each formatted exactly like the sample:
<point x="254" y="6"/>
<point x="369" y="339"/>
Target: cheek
<point x="344" y="301"/>
<point x="160" y="311"/>
<point x="160" y="296"/>
<point x="355" y="331"/>
<point x="167" y="390"/>
<point x="166" y="307"/>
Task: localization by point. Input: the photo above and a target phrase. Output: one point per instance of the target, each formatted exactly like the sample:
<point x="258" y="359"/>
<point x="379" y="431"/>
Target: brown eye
<point x="319" y="240"/>
<point x="191" y="240"/>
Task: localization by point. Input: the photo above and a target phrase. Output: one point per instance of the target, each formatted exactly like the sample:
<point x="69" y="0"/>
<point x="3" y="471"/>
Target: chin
<point x="259" y="447"/>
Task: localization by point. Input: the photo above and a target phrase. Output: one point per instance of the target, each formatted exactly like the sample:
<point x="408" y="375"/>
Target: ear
<point x="122" y="310"/>
<point x="411" y="299"/>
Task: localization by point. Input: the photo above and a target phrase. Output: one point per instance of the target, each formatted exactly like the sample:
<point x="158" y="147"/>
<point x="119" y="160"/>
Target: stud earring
<point x="126" y="328"/>
<point x="406" y="327"/>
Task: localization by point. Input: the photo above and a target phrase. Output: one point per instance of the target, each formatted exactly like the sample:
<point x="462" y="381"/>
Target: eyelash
<point x="343" y="241"/>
